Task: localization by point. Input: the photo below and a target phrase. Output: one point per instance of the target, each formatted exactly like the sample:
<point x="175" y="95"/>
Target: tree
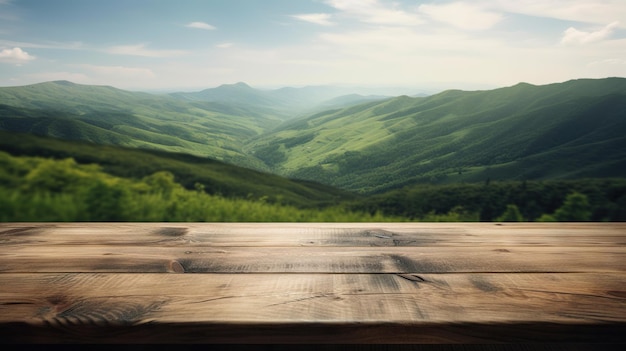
<point x="546" y="218"/>
<point x="58" y="176"/>
<point x="105" y="202"/>
<point x="575" y="208"/>
<point x="511" y="214"/>
<point x="163" y="183"/>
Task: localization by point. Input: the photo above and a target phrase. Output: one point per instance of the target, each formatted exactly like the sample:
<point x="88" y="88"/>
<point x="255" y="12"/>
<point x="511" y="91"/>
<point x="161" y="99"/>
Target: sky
<point x="188" y="45"/>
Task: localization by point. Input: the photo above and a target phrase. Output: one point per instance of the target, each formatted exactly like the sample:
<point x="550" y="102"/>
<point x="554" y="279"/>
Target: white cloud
<point x="15" y="56"/>
<point x="395" y="44"/>
<point x="575" y="36"/>
<point x="142" y="50"/>
<point x="587" y="11"/>
<point x="462" y="15"/>
<point x="48" y="45"/>
<point x="323" y="19"/>
<point x="371" y="11"/>
<point x="200" y="25"/>
<point x="373" y="42"/>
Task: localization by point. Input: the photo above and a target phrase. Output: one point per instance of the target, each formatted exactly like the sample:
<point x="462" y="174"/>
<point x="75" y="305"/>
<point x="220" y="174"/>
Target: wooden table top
<point x="312" y="282"/>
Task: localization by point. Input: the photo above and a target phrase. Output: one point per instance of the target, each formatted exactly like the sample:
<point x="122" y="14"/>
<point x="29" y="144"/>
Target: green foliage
<point x="106" y="201"/>
<point x="511" y="214"/>
<point x="436" y="152"/>
<point x="493" y="201"/>
<point x="106" y="115"/>
<point x="40" y="189"/>
<point x="270" y="154"/>
<point x="456" y="214"/>
<point x="162" y="183"/>
<point x="297" y="140"/>
<point x="63" y="190"/>
<point x="546" y="218"/>
<point x="569" y="130"/>
<point x="57" y="176"/>
<point x="576" y="208"/>
<point x="216" y="177"/>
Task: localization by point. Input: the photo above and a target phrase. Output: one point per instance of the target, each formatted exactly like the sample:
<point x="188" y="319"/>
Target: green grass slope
<point x="214" y="176"/>
<point x="104" y="114"/>
<point x="566" y="130"/>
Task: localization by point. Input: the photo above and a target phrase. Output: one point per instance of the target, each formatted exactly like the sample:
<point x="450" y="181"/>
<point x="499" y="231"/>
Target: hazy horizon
<point x="390" y="90"/>
<point x="420" y="46"/>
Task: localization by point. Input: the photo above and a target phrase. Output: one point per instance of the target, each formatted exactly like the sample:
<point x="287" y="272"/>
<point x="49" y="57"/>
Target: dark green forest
<point x="40" y="182"/>
<point x="570" y="130"/>
<point x="602" y="199"/>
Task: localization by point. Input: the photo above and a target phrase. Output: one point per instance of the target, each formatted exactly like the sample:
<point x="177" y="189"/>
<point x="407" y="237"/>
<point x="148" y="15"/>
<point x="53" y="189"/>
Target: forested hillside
<point x="106" y="115"/>
<point x="215" y="177"/>
<point x="592" y="199"/>
<point x="569" y="130"/>
<point x="35" y="189"/>
<point x="45" y="179"/>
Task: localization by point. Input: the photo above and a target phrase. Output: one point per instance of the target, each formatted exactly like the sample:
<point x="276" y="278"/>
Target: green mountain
<point x="239" y="94"/>
<point x="215" y="177"/>
<point x="108" y="115"/>
<point x="284" y="103"/>
<point x="568" y="130"/>
<point x="214" y="122"/>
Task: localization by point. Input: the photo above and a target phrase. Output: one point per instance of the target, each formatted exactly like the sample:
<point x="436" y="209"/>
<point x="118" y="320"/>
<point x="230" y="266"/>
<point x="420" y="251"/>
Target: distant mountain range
<point x="365" y="143"/>
<point x="284" y="102"/>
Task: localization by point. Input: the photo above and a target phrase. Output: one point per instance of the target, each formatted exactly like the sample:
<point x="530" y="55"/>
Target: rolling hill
<point x="284" y="103"/>
<point x="214" y="122"/>
<point x="107" y="115"/>
<point x="359" y="143"/>
<point x="216" y="177"/>
<point x="566" y="130"/>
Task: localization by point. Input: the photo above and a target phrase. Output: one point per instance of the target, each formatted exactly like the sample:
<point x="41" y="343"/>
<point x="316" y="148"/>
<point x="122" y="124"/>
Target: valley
<point x="322" y="146"/>
<point x="569" y="130"/>
<point x="370" y="144"/>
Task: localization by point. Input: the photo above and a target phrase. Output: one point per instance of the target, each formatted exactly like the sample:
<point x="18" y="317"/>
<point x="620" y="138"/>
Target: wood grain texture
<point x="149" y="259"/>
<point x="316" y="234"/>
<point x="312" y="283"/>
<point x="77" y="301"/>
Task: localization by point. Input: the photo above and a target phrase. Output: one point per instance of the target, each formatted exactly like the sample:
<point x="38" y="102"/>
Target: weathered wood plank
<point x="312" y="282"/>
<point x="332" y="308"/>
<point x="316" y="234"/>
<point x="146" y="259"/>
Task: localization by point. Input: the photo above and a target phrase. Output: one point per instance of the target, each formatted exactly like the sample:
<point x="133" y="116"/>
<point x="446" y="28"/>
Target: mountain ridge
<point x="455" y="135"/>
<point x="283" y="102"/>
<point x="133" y="119"/>
<point x="570" y="129"/>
